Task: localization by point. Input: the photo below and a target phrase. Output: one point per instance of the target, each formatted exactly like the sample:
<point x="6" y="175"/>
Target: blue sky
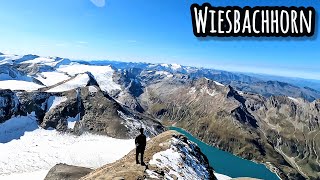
<point x="149" y="31"/>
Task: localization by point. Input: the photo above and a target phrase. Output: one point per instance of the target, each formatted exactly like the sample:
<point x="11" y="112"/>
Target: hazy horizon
<point x="214" y="67"/>
<point x="140" y="31"/>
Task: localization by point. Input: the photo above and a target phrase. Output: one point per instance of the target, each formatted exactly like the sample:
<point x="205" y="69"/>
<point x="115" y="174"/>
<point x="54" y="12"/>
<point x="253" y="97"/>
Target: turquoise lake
<point x="228" y="164"/>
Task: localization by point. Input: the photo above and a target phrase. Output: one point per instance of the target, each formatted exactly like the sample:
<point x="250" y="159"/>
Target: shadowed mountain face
<point x="271" y="122"/>
<point x="78" y="111"/>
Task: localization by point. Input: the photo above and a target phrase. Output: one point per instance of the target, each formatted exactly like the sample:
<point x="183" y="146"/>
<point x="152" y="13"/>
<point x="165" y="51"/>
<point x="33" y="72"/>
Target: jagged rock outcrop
<point x="21" y="103"/>
<point x="8" y="105"/>
<point x="57" y="117"/>
<point x="100" y="114"/>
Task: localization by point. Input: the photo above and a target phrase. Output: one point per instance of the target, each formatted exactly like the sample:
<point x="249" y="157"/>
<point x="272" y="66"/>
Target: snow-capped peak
<point x="175" y="66"/>
<point x="164" y="65"/>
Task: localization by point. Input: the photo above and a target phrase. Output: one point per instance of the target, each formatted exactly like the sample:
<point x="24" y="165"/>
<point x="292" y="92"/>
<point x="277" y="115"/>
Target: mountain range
<point x="268" y="121"/>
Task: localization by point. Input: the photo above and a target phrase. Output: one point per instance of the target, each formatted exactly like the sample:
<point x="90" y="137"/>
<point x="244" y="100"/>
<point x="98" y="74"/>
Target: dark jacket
<point x="141" y="141"/>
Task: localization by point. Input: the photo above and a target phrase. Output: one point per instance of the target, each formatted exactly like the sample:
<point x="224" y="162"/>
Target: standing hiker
<point x="140" y="141"/>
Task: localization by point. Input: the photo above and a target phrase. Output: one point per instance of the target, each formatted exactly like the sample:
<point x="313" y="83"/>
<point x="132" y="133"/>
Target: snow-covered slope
<point x="54" y="101"/>
<point x="80" y="80"/>
<point x="19" y="85"/>
<point x="41" y="60"/>
<point x="8" y="58"/>
<point x="26" y="148"/>
<point x="102" y="74"/>
<point x="33" y="72"/>
<point x="52" y="78"/>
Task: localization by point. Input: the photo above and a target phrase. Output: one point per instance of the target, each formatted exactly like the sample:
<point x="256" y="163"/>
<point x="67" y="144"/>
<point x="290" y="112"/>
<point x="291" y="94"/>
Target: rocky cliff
<point x="80" y="110"/>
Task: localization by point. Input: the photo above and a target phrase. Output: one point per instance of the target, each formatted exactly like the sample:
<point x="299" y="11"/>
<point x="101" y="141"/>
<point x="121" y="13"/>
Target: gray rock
<point x="67" y="172"/>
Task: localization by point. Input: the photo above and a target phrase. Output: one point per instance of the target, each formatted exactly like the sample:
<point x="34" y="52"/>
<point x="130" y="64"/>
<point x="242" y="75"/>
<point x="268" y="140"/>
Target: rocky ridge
<point x="86" y="109"/>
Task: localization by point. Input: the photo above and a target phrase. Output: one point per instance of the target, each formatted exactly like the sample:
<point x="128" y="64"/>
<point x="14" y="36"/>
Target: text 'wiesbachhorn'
<point x="257" y="21"/>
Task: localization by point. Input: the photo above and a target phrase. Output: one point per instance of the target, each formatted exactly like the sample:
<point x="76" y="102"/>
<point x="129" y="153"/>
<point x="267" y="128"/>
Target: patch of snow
<point x="48" y="61"/>
<point x="9" y="73"/>
<point x="8" y="58"/>
<point x="39" y="60"/>
<point x="164" y="65"/>
<point x="52" y="78"/>
<point x="93" y="89"/>
<point x="212" y="93"/>
<point x="72" y="121"/>
<point x="217" y="83"/>
<point x="294" y="99"/>
<point x="222" y="176"/>
<point x="165" y="73"/>
<point x="206" y="90"/>
<point x="41" y="149"/>
<point x="54" y="101"/>
<point x="161" y="73"/>
<point x="102" y="74"/>
<point x="152" y="65"/>
<point x="80" y="80"/>
<point x="192" y="90"/>
<point x="19" y="85"/>
<point x="152" y="174"/>
<point x="43" y="105"/>
<point x="175" y="66"/>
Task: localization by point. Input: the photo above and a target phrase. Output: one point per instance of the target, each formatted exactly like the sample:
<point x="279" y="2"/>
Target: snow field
<point x="26" y="148"/>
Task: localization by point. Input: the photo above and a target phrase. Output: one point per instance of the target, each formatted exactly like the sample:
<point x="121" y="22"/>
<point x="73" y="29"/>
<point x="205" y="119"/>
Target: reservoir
<point x="228" y="164"/>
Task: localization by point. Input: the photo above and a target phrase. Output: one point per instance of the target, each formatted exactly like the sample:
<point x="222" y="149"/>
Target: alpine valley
<point x="54" y="107"/>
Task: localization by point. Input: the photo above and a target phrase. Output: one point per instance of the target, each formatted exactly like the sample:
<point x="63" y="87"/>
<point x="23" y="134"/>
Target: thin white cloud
<point x="132" y="41"/>
<point x="99" y="3"/>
